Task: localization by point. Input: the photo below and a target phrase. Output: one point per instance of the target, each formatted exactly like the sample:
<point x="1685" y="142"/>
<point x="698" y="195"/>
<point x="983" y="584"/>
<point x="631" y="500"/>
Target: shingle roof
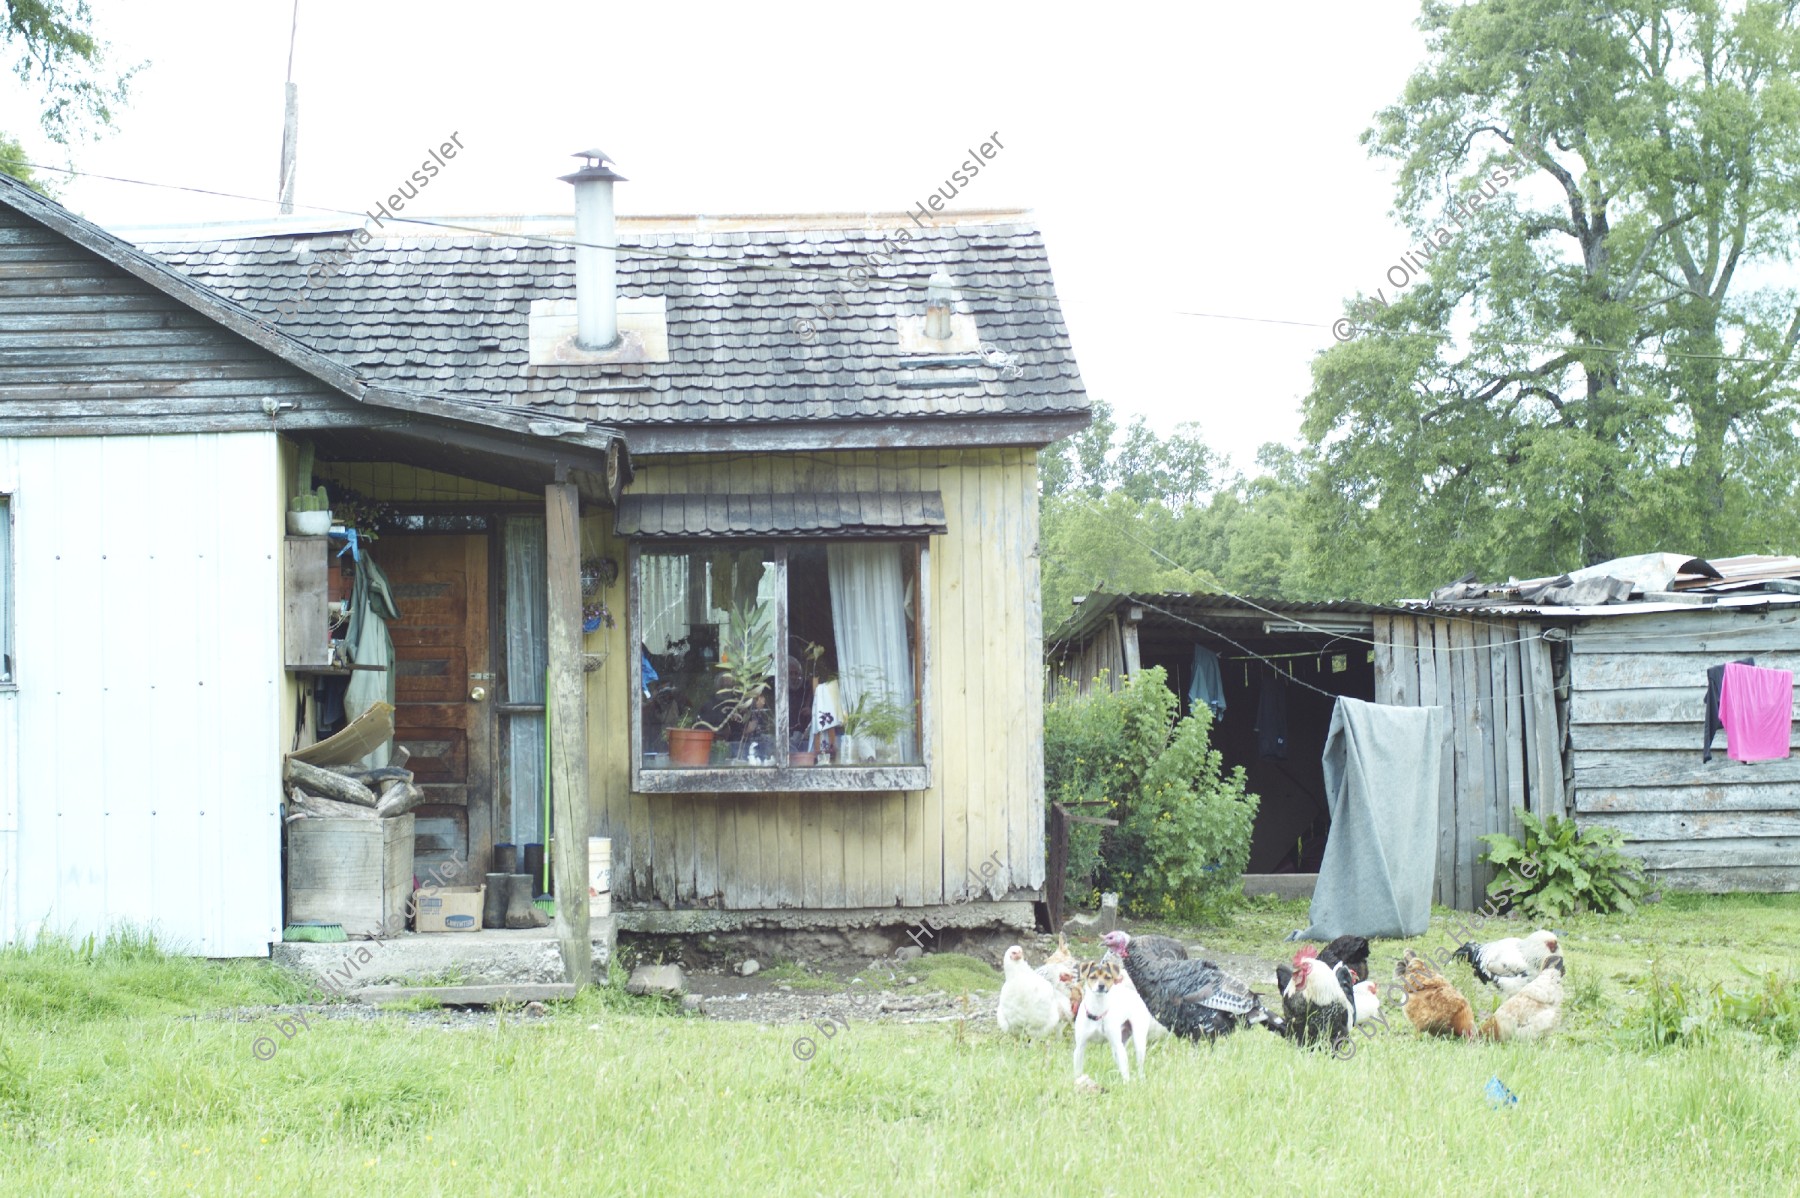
<point x="450" y="314"/>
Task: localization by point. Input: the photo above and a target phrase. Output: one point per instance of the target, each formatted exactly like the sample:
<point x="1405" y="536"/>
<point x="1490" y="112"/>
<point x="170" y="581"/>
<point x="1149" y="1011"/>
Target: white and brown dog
<point x="1111" y="1009"/>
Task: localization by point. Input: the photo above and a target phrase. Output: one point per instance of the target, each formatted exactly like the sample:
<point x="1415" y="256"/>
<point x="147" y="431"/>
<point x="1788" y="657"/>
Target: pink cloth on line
<point x="1756" y="708"/>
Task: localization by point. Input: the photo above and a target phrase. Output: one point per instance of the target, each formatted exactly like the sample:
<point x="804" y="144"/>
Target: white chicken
<point x="1510" y="963"/>
<point x="1030" y="1003"/>
<point x="1533" y="1011"/>
<point x="1062" y="971"/>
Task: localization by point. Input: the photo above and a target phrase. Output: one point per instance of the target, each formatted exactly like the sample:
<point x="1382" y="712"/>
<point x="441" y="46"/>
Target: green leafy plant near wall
<point x="1184" y="823"/>
<point x="1558" y="869"/>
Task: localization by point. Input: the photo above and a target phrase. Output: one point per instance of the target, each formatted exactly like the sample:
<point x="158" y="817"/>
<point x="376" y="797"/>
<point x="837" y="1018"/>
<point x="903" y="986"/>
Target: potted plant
<point x="689" y="745"/>
<point x="746" y="662"/>
<point x="873" y="724"/>
<point x="309" y="511"/>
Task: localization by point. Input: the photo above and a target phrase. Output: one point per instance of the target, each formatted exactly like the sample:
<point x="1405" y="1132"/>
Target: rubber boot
<point x="506" y="858"/>
<point x="493" y="903"/>
<point x="520" y="911"/>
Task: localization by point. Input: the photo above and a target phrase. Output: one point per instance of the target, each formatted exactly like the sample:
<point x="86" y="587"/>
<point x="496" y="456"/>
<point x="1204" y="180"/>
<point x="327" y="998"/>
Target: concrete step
<point x="470" y="996"/>
<point x="1287" y="886"/>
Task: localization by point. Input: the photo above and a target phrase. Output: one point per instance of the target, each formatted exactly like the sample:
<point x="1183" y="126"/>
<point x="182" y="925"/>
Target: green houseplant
<point x="746" y="664"/>
<point x="874" y="721"/>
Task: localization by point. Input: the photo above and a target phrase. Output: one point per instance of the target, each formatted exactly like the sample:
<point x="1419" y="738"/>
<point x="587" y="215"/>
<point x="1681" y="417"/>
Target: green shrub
<point x="1559" y="869"/>
<point x="1183" y="837"/>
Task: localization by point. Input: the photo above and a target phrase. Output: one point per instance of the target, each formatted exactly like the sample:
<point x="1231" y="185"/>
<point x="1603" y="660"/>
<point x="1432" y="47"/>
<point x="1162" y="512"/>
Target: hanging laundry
<point x="1208" y="686"/>
<point x="1715" y="678"/>
<point x="1271" y="716"/>
<point x="1756" y="708"/>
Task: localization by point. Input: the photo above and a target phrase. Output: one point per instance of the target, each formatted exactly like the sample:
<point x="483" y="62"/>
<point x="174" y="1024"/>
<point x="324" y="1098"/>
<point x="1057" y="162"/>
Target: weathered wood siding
<point x="985" y="707"/>
<point x="1636" y="714"/>
<point x="1098" y="661"/>
<point x="1497" y="681"/>
<point x="149" y="672"/>
<point x="87" y="349"/>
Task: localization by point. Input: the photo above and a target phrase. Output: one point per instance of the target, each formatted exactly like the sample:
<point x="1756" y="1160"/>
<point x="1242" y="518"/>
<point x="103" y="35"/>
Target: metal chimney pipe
<point x="596" y="269"/>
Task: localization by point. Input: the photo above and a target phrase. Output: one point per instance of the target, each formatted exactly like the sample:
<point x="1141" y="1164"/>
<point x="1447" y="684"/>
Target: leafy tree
<point x="1577" y="364"/>
<point x="59" y="58"/>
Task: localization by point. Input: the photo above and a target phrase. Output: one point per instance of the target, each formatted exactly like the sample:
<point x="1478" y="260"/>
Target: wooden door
<point x="441" y="663"/>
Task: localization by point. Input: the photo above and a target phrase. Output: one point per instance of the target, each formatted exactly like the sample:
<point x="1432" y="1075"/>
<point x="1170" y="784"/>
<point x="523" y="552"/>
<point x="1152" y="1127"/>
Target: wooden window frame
<point x="782" y="777"/>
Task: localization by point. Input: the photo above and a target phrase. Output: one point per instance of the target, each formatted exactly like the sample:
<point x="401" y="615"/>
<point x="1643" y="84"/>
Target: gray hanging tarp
<point x="1382" y="774"/>
<point x="371" y="607"/>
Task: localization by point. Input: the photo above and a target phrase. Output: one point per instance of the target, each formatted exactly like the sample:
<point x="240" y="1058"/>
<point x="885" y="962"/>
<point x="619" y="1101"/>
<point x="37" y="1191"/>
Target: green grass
<point x="105" y="1087"/>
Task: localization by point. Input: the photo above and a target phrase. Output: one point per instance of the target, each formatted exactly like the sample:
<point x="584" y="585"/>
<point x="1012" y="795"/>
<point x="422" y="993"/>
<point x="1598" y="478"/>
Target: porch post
<point x="566" y="708"/>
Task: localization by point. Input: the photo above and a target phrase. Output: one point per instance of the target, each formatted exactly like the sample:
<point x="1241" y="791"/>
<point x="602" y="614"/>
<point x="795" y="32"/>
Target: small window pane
<point x="708" y="639"/>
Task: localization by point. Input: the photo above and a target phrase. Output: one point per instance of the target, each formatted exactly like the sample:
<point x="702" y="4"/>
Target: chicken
<point x="1365" y="1001"/>
<point x="1190" y="998"/>
<point x="1318" y="998"/>
<point x="1062" y="971"/>
<point x="1512" y="962"/>
<point x="1029" y="1002"/>
<point x="1534" y="1010"/>
<point x="1348" y="950"/>
<point x="1431" y="1001"/>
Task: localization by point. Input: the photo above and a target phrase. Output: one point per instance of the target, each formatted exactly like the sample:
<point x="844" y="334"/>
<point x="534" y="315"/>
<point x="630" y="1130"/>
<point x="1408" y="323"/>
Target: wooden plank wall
<point x="985" y="698"/>
<point x="1496" y="679"/>
<point x="1636" y="715"/>
<point x="90" y="349"/>
<point x="1099" y="661"/>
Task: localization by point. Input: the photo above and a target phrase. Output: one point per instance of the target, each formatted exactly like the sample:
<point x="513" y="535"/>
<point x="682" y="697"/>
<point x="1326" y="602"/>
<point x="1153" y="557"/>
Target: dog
<point x="1113" y="1009"/>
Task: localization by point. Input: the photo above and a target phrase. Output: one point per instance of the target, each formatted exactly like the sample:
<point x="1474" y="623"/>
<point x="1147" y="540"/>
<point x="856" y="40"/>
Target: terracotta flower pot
<point x="803" y="758"/>
<point x="690" y="746"/>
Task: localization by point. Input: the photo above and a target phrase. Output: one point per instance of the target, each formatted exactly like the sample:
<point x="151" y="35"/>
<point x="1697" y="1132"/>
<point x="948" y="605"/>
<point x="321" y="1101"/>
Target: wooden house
<point x="155" y="669"/>
<point x="833" y="426"/>
<point x="1559" y="704"/>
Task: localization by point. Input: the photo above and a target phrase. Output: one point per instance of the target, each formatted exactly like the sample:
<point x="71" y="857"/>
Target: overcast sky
<point x="1203" y="159"/>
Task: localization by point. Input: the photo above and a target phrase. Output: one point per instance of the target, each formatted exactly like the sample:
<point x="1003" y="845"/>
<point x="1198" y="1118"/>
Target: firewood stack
<point x="350" y="791"/>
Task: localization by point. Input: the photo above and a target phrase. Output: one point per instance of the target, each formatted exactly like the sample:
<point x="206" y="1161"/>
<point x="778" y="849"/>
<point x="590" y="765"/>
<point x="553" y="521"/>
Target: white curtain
<point x="663" y="592"/>
<point x="869" y="616"/>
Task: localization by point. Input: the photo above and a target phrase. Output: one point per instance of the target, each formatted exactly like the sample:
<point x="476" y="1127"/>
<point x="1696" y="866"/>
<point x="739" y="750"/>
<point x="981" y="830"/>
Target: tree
<point x="60" y="58"/>
<point x="1573" y="364"/>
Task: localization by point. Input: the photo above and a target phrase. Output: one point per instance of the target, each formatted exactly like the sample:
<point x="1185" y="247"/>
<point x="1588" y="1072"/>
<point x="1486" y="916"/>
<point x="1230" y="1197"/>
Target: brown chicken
<point x="1431" y="1001"/>
<point x="1533" y="1011"/>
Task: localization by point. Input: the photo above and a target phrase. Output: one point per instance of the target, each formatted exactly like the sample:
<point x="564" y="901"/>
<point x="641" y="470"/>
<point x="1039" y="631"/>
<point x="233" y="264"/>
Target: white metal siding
<point x="149" y="670"/>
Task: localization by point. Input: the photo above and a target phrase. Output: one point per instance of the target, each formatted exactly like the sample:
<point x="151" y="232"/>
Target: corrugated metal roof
<point x="1199" y="606"/>
<point x="829" y="514"/>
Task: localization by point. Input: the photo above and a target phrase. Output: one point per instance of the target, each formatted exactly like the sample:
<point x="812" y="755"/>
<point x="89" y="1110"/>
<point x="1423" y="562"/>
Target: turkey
<point x="1193" y="999"/>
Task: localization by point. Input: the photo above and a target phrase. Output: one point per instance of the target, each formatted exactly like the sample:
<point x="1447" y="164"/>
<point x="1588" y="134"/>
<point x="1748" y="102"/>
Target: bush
<point x="1559" y="869"/>
<point x="1184" y="824"/>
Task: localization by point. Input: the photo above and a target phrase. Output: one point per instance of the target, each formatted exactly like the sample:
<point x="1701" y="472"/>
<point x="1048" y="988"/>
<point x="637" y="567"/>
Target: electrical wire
<point x="1344" y="330"/>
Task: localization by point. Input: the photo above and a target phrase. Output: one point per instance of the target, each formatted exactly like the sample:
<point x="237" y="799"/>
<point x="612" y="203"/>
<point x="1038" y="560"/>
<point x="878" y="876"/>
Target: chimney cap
<point x="596" y="167"/>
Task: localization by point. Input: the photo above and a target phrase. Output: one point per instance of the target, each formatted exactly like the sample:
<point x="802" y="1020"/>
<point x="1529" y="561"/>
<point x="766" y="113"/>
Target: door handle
<point x="477" y="694"/>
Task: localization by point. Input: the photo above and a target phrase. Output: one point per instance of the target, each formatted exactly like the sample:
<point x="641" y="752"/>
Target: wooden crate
<point x="354" y="872"/>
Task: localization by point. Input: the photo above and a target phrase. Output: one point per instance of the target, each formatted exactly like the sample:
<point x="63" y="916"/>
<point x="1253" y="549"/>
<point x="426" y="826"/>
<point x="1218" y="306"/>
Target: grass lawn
<point x="109" y="1085"/>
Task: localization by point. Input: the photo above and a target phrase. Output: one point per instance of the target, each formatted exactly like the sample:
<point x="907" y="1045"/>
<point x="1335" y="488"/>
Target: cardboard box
<point x="448" y="908"/>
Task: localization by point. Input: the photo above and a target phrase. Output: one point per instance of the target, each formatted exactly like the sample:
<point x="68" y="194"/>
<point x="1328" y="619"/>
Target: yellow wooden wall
<point x="985" y="714"/>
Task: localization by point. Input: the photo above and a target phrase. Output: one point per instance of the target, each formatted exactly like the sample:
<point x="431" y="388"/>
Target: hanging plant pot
<point x="690" y="746"/>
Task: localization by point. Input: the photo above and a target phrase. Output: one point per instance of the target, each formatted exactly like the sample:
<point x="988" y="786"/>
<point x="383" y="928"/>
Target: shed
<point x="823" y="433"/>
<point x="1559" y="704"/>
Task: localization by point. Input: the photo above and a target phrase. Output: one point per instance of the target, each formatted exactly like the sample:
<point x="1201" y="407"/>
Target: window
<point x="6" y="600"/>
<point x="779" y="665"/>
